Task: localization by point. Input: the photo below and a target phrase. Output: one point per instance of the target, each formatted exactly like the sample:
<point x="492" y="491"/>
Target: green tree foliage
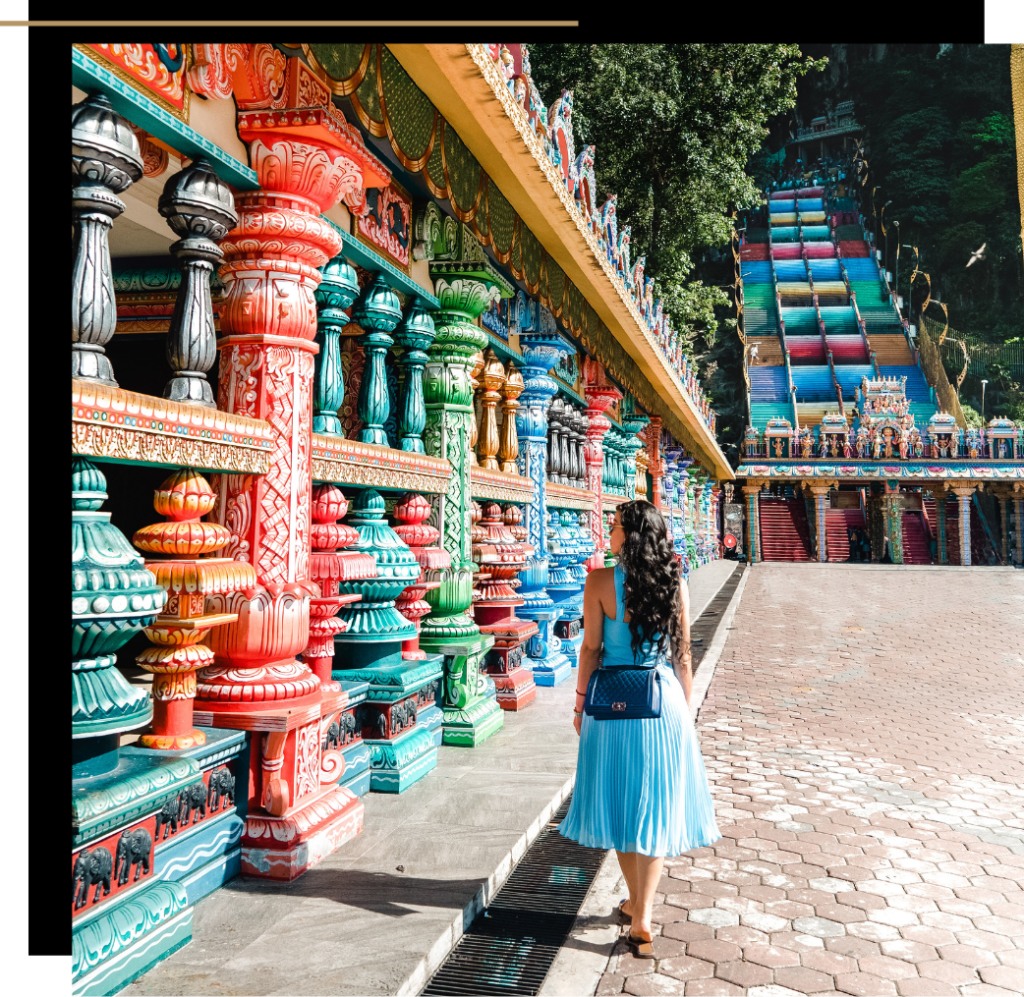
<point x="673" y="126"/>
<point x="941" y="137"/>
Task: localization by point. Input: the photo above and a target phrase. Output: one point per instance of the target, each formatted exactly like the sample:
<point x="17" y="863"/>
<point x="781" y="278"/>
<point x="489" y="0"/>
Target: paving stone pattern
<point x="864" y="738"/>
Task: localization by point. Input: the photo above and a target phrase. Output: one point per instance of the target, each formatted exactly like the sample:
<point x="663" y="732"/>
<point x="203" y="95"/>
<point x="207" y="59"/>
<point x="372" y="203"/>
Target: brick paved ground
<point x="864" y="737"/>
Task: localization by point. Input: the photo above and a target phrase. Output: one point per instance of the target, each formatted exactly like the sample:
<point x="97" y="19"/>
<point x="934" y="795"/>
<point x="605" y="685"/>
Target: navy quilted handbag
<point x="623" y="693"/>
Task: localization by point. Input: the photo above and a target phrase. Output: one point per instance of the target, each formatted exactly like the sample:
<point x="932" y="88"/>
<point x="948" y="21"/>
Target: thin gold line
<point x="200" y="25"/>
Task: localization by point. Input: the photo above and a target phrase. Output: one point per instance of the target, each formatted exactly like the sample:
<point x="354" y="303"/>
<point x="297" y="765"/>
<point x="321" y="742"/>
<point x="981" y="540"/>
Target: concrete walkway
<point x="382" y="913"/>
<point x="864" y="737"/>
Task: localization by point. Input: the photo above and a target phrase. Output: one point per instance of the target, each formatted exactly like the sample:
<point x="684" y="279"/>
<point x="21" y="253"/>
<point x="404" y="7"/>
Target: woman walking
<point x="641" y="787"/>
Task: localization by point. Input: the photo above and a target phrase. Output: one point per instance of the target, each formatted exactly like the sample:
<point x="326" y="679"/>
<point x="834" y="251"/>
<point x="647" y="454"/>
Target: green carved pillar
<point x="464" y="287"/>
<point x="415" y="333"/>
<point x="894" y="520"/>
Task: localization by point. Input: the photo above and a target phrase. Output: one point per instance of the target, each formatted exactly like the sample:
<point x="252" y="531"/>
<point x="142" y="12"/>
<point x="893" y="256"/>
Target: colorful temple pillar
<point x="892" y="511"/>
<point x="655" y="461"/>
<point x="963" y="491"/>
<point x="1018" y="519"/>
<point x="370" y="650"/>
<point x="500" y="557"/>
<point x="942" y="552"/>
<point x="543" y="346"/>
<point x="305" y="165"/>
<point x="465" y="286"/>
<point x="601" y="394"/>
<point x="751" y="490"/>
<point x="820" y="492"/>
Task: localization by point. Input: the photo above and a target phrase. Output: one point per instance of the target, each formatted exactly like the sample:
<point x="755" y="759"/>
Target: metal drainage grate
<point x="511" y="945"/>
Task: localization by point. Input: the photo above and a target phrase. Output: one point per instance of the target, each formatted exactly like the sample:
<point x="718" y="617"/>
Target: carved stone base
<point x="356" y="775"/>
<point x="548" y="675"/>
<point x="515" y="689"/>
<point x="571" y="649"/>
<point x="126" y="940"/>
<point x="398" y="763"/>
<point x="430" y="718"/>
<point x="471" y="726"/>
<point x="550" y="666"/>
<point x="283" y="848"/>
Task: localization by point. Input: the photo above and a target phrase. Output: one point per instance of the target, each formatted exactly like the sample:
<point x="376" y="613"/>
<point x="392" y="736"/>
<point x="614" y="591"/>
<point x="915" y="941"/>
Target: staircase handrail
<point x="862" y="327"/>
<point x="835" y="383"/>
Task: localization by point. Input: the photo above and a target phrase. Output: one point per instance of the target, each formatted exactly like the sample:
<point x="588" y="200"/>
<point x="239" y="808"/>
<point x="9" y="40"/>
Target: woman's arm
<point x="593" y="634"/>
<point x="683" y="658"/>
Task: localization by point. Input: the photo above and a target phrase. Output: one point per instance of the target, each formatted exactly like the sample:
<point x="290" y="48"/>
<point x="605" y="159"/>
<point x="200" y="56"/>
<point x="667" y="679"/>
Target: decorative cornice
<point x="342" y="461"/>
<point x="130" y="103"/>
<point x="486" y="484"/>
<point x="565" y="497"/>
<point x="492" y="73"/>
<point x="880" y="471"/>
<point x="128" y="427"/>
<point x="609" y="503"/>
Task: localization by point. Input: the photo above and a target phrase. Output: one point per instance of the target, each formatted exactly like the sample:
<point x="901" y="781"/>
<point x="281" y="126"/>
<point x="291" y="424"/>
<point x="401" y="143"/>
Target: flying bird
<point x="978" y="254"/>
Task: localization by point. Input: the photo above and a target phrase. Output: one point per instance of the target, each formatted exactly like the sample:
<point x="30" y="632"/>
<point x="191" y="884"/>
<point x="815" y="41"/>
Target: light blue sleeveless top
<point x="616" y="636"/>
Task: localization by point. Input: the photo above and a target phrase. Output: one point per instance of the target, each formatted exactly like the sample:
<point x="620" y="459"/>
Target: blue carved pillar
<point x="543" y="346"/>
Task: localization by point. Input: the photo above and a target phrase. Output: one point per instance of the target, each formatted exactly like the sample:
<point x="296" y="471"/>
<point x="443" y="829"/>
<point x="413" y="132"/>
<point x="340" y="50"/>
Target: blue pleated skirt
<point x="641" y="785"/>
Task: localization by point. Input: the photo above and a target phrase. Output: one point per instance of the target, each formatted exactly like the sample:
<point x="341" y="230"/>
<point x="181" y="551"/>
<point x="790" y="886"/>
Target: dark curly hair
<point x="650" y="589"/>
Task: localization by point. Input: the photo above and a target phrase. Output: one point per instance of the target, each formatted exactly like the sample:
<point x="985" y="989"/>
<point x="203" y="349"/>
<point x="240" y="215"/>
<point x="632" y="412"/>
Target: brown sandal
<point x="623" y="916"/>
<point x="643" y="948"/>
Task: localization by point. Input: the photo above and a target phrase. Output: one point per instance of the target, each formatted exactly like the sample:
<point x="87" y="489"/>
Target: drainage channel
<point x="702" y="630"/>
<point x="511" y="945"/>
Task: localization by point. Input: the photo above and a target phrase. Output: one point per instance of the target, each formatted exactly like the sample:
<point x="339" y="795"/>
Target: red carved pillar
<point x="656" y="462"/>
<point x="306" y="162"/>
<point x="601" y="394"/>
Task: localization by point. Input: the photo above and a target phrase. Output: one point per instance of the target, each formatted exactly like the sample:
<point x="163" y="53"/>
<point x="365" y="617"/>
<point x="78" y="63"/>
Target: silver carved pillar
<point x="200" y="210"/>
<point x="105" y="160"/>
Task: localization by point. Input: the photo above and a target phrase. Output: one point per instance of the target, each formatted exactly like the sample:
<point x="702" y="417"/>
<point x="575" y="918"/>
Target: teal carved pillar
<point x="377" y="312"/>
<point x="338" y="289"/>
<point x="893" y="520"/>
<point x="465" y="288"/>
<point x="752" y="489"/>
<point x="414" y="334"/>
<point x="370" y="650"/>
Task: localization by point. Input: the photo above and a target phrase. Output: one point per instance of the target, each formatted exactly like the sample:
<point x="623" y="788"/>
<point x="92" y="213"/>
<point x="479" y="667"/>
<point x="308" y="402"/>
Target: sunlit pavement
<point x="864" y="738"/>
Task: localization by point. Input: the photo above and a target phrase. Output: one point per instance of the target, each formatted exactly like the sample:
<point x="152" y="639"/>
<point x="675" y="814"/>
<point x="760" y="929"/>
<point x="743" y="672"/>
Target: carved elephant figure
<point x="222" y="788"/>
<point x="349" y="727"/>
<point x="403" y="716"/>
<point x="167" y="817"/>
<point x="91" y="867"/>
<point x="376" y="719"/>
<point x="193" y="803"/>
<point x="133" y="848"/>
<point x="333" y="737"/>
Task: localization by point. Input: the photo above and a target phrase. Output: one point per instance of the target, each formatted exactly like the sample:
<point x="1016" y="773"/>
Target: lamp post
<point x="896" y="273"/>
<point x="983" y="383"/>
<point x="885" y="235"/>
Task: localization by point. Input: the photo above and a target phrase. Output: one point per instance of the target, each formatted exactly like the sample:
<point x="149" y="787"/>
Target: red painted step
<point x="916" y="549"/>
<point x="784" y="532"/>
<point x="837" y="522"/>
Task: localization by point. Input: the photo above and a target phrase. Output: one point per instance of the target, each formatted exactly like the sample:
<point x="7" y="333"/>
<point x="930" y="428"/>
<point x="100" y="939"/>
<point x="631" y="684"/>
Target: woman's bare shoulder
<point x="602" y="576"/>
